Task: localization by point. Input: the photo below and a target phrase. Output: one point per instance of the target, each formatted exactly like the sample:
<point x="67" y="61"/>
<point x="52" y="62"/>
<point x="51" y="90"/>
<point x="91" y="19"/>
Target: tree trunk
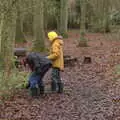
<point x="8" y="39"/>
<point x="19" y="38"/>
<point x="1" y="26"/>
<point x="83" y="41"/>
<point x="38" y="25"/>
<point x="45" y="15"/>
<point x="64" y="17"/>
<point x="106" y="17"/>
<point x="83" y="15"/>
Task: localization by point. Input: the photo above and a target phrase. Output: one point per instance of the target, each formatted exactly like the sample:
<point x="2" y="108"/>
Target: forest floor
<point x="91" y="91"/>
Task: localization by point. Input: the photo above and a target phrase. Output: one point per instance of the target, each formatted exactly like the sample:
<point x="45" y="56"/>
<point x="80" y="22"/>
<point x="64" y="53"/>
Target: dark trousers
<point x="37" y="79"/>
<point x="56" y="75"/>
<point x="44" y="70"/>
<point x="56" y="84"/>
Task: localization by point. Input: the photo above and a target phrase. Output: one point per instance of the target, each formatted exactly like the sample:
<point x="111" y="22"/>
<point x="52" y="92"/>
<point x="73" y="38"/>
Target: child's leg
<point x="60" y="87"/>
<point x="56" y="80"/>
<point x="36" y="84"/>
<point x="41" y="86"/>
<point x="44" y="70"/>
<point x="59" y="82"/>
<point x="33" y="85"/>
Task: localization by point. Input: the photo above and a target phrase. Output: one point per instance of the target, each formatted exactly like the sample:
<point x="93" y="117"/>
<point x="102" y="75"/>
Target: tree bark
<point x="39" y="34"/>
<point x="64" y="17"/>
<point x="19" y="38"/>
<point x="8" y="40"/>
<point x="1" y="26"/>
<point x="83" y="41"/>
<point x="106" y="17"/>
<point x="83" y="15"/>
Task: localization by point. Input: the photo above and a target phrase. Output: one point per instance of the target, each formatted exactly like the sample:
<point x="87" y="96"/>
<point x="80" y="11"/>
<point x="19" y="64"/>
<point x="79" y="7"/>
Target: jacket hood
<point x="52" y="35"/>
<point x="60" y="41"/>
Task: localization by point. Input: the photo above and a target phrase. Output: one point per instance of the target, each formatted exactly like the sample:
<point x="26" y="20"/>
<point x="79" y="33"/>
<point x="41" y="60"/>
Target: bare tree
<point x="19" y="31"/>
<point x="82" y="41"/>
<point x="38" y="25"/>
<point x="1" y="26"/>
<point x="64" y="17"/>
<point x="8" y="38"/>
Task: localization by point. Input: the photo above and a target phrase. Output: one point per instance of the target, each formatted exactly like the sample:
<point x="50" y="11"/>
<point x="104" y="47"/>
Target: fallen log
<point x="20" y="52"/>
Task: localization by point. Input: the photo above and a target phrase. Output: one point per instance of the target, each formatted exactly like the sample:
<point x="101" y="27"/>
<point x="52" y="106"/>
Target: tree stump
<point x="70" y="61"/>
<point x="87" y="60"/>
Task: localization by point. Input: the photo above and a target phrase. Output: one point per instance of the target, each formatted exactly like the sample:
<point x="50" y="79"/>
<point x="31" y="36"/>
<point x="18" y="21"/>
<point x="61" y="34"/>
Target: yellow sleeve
<point x="55" y="52"/>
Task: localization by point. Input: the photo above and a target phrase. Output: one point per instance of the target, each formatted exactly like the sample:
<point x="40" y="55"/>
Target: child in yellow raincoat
<point x="56" y="56"/>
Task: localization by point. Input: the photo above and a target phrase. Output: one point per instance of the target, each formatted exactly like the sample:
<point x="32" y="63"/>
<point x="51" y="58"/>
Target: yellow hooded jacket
<point x="56" y="51"/>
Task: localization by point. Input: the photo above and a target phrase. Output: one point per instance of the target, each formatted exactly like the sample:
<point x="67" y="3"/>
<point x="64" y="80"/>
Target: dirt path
<point x="90" y="89"/>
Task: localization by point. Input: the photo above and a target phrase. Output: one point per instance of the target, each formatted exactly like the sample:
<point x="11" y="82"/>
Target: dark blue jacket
<point x="37" y="62"/>
<point x="39" y="65"/>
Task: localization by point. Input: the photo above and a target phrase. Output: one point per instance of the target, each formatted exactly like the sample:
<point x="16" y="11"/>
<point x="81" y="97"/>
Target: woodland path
<point x="92" y="91"/>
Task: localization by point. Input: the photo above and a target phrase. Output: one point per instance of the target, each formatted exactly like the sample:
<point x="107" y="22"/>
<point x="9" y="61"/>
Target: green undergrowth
<point x="16" y="81"/>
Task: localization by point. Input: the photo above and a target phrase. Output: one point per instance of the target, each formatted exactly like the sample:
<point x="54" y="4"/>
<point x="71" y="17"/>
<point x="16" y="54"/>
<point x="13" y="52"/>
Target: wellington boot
<point x="53" y="86"/>
<point x="34" y="92"/>
<point x="60" y="88"/>
<point x="42" y="90"/>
